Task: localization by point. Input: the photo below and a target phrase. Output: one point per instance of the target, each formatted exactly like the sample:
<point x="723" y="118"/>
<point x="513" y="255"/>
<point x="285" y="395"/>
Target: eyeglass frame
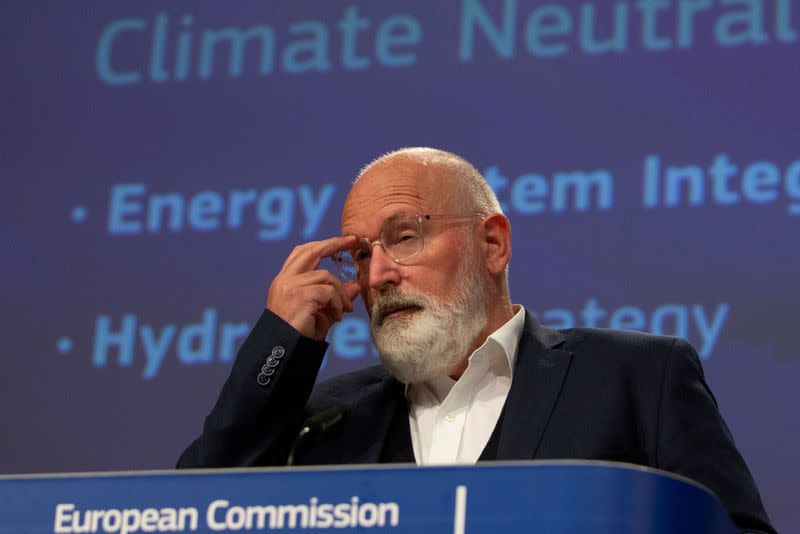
<point x="336" y="258"/>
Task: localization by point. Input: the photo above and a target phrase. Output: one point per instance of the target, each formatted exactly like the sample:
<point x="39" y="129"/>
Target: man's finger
<point x="317" y="276"/>
<point x="321" y="276"/>
<point x="306" y="257"/>
<point x="329" y="301"/>
<point x="351" y="291"/>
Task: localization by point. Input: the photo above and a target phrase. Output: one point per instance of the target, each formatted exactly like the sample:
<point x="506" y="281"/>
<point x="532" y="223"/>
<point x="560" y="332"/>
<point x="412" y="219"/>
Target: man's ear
<point x="496" y="242"/>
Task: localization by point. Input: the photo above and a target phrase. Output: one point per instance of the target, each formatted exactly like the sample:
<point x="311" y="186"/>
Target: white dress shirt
<point x="451" y="421"/>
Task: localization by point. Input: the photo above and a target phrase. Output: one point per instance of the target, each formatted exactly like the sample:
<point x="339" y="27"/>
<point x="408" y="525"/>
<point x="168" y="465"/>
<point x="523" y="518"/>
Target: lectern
<point x="526" y="497"/>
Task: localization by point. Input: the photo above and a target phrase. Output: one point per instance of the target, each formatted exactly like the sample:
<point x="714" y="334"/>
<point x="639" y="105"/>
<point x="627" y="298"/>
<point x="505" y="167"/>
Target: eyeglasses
<point x="401" y="238"/>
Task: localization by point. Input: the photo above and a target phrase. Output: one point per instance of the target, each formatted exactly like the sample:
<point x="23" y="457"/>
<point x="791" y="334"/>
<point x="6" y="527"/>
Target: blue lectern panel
<point x="549" y="497"/>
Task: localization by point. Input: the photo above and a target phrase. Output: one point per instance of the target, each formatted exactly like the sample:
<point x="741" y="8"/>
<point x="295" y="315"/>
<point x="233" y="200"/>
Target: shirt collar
<point x="505" y="338"/>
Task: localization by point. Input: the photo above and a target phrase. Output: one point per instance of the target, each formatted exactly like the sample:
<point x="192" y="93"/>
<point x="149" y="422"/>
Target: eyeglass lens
<point x="401" y="239"/>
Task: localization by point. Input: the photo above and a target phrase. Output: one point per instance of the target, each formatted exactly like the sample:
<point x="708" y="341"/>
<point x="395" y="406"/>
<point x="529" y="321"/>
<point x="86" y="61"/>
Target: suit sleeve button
<point x="263" y="379"/>
<point x="278" y="351"/>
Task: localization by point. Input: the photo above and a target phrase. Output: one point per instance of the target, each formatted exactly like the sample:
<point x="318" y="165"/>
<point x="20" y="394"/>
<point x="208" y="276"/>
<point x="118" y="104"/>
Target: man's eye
<point x="361" y="255"/>
<point x="403" y="236"/>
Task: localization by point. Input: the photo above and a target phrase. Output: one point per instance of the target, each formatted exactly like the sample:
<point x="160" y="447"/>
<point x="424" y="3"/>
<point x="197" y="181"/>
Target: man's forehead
<point x="376" y="215"/>
<point x="389" y="191"/>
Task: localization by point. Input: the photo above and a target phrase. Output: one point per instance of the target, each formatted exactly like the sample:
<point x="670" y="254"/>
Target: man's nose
<point x="382" y="268"/>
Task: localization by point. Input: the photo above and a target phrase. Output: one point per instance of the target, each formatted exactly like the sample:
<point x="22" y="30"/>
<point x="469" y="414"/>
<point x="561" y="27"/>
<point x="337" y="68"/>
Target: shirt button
<point x="450" y="417"/>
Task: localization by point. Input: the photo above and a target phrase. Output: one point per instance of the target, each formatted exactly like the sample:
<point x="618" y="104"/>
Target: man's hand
<point x="312" y="299"/>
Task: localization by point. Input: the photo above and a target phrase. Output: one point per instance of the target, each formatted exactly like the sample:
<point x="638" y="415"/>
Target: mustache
<point x="391" y="300"/>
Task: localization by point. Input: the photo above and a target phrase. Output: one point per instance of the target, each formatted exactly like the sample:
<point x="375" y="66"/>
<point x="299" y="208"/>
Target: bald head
<point x="419" y="181"/>
<point x="464" y="189"/>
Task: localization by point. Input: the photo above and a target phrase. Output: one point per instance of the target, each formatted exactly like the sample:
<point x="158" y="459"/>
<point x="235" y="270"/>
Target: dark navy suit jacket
<point x="577" y="393"/>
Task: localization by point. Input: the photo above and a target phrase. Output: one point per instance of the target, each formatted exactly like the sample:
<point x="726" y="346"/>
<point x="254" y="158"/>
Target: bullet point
<point x="64" y="345"/>
<point x="79" y="214"/>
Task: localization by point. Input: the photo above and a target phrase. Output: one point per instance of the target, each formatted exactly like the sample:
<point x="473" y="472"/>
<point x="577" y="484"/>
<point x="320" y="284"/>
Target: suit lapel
<point x="368" y="421"/>
<point x="539" y="374"/>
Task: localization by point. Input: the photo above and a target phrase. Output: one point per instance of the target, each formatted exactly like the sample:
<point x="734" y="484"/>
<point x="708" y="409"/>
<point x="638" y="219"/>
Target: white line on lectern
<point x="460" y="518"/>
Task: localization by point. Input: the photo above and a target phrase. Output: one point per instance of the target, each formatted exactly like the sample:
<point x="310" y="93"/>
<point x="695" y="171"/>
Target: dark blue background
<point x="68" y="138"/>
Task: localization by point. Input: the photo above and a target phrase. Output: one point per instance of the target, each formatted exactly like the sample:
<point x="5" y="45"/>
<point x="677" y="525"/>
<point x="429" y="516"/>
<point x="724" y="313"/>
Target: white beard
<point x="433" y="340"/>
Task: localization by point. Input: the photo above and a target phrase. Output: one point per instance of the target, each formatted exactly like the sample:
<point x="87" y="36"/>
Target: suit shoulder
<point x="634" y="361"/>
<point x="622" y="344"/>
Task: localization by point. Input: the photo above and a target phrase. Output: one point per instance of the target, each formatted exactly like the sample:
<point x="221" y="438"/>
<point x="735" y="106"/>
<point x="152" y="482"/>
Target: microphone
<point x="316" y="424"/>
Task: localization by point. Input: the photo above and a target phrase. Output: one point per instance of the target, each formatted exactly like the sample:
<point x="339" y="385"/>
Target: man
<point x="466" y="374"/>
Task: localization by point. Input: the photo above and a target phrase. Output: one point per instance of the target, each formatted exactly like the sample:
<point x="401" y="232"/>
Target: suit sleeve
<point x="694" y="440"/>
<point x="261" y="406"/>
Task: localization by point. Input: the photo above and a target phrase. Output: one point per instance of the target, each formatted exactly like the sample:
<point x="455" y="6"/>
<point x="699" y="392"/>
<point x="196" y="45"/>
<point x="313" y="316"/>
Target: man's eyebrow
<point x="395" y="216"/>
<point x="387" y="221"/>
